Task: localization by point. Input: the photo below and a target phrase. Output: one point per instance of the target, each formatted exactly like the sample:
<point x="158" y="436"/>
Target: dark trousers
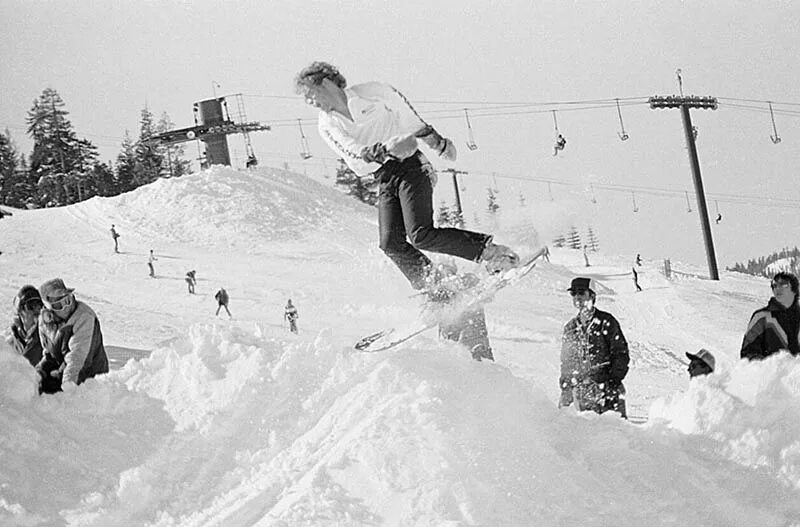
<point x="405" y="221"/>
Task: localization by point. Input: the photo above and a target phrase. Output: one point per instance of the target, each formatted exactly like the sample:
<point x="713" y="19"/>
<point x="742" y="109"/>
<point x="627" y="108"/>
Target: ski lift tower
<point x="212" y="125"/>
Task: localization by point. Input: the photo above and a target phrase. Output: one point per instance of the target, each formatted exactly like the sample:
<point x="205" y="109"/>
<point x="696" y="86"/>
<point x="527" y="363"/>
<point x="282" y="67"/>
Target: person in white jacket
<point x="376" y="131"/>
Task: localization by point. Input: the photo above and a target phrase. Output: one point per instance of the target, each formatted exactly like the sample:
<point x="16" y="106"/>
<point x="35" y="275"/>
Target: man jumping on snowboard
<point x="375" y="130"/>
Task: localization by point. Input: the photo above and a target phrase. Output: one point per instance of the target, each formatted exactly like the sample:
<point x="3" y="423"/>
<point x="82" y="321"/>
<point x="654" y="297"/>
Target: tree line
<point x="763" y="266"/>
<point x="63" y="168"/>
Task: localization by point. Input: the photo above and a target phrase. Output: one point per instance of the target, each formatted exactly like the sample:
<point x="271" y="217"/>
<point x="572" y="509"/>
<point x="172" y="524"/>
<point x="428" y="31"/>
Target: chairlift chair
<point x="560" y="142"/>
<point x="622" y="134"/>
<point x="305" y="152"/>
<point x="774" y="138"/>
<point x="471" y="144"/>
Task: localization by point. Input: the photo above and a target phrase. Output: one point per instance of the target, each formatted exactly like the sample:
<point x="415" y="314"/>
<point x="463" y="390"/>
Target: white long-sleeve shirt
<point x="379" y="112"/>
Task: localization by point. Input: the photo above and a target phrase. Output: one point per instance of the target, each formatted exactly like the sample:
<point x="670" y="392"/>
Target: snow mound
<point x="231" y="207"/>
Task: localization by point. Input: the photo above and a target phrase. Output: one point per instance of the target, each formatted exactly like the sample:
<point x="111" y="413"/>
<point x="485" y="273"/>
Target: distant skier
<point x="376" y="131"/>
<point x="191" y="281"/>
<point x="222" y="301"/>
<point x="636" y="279"/>
<point x="594" y="355"/>
<point x="115" y="236"/>
<point x="585" y="256"/>
<point x="638" y="259"/>
<point x="150" y="261"/>
<point x="290" y="314"/>
<point x="546" y="255"/>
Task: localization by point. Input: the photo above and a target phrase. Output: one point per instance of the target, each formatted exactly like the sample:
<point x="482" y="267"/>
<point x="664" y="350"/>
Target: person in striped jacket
<point x="775" y="327"/>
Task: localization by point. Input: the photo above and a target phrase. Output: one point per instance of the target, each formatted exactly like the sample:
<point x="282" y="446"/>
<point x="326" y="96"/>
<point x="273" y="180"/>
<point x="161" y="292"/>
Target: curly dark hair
<point x="315" y="73"/>
<point x="787" y="277"/>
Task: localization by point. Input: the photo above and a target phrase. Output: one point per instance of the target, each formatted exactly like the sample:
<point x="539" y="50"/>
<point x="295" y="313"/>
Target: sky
<point x="509" y="65"/>
<point x="210" y="421"/>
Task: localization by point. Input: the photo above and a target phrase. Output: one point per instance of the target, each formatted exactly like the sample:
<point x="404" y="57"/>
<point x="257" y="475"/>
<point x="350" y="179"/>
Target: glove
<point x="448" y="150"/>
<point x="376" y="153"/>
<point x="401" y="146"/>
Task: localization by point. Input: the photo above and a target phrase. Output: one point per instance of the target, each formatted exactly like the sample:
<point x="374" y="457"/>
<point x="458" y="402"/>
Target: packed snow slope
<point x="218" y="422"/>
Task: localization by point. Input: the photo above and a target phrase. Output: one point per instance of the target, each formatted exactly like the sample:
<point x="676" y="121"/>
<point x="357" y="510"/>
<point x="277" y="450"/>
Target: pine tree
<point x="559" y="241"/>
<point x="573" y="238"/>
<point x="9" y="164"/>
<point x="149" y="158"/>
<point x="126" y="176"/>
<point x="591" y="240"/>
<point x="176" y="165"/>
<point x="443" y="216"/>
<point x="356" y="186"/>
<point x="60" y="161"/>
<point x="491" y="199"/>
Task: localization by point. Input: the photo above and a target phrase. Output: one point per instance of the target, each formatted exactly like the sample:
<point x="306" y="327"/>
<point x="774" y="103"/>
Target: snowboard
<point x="468" y="299"/>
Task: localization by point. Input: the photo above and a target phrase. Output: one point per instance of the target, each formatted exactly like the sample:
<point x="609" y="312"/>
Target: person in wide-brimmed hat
<point x="594" y="355"/>
<point x="701" y="363"/>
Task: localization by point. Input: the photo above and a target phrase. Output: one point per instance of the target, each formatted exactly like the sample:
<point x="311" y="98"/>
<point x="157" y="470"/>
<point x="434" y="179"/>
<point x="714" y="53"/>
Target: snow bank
<point x="751" y="410"/>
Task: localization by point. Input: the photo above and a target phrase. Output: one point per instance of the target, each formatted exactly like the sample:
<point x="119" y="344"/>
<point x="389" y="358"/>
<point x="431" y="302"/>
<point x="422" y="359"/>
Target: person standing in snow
<point x="191" y="281"/>
<point x="71" y="339"/>
<point x="775" y="327"/>
<point x="115" y="236"/>
<point x="376" y="131"/>
<point x="290" y="314"/>
<point x="636" y="275"/>
<point x="222" y="301"/>
<point x="701" y="363"/>
<point x="25" y="326"/>
<point x="150" y="261"/>
<point x="594" y="355"/>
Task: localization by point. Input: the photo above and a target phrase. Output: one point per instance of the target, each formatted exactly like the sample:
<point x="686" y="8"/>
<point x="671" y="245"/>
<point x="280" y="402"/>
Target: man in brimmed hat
<point x="594" y="355"/>
<point x="70" y="334"/>
<point x="24" y="326"/>
<point x="701" y="363"/>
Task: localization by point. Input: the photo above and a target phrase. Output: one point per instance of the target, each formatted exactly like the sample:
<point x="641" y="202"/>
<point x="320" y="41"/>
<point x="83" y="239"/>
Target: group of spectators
<point x="59" y="335"/>
<point x="594" y="352"/>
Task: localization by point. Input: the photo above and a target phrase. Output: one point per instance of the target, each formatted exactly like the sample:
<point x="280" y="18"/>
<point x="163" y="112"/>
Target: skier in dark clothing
<point x="775" y="327"/>
<point x="150" y="261"/>
<point x="290" y="314"/>
<point x="25" y="327"/>
<point x="222" y="301"/>
<point x="376" y="131"/>
<point x="594" y="355"/>
<point x="115" y="236"/>
<point x="191" y="281"/>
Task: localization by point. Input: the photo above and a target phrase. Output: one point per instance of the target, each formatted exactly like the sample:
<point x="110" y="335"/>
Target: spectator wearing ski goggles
<point x="58" y="298"/>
